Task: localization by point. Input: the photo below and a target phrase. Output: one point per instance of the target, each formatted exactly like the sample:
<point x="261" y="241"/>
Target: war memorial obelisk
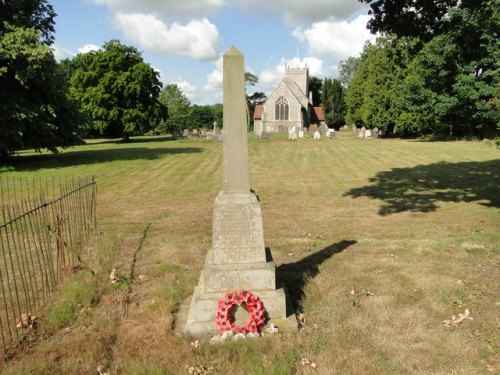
<point x="237" y="259"/>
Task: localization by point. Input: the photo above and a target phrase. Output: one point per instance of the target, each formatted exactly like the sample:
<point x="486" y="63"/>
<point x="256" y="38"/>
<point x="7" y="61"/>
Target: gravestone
<point x="355" y="129"/>
<point x="194" y="132"/>
<point x="317" y="134"/>
<point x="361" y="133"/>
<point x="237" y="259"/>
<point x="301" y="134"/>
<point x="292" y="133"/>
<point x="375" y="133"/>
<point x="185" y="132"/>
<point x="368" y="133"/>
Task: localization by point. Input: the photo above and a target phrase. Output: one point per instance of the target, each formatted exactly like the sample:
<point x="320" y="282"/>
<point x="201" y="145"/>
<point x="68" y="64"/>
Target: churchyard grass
<point x="378" y="242"/>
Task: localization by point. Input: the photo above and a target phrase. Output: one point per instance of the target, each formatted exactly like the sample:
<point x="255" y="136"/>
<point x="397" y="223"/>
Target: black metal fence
<point x="45" y="227"/>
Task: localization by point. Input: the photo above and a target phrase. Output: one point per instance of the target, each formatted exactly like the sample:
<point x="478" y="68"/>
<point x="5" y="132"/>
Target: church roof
<point x="317" y="114"/>
<point x="257" y="113"/>
<point x="296" y="91"/>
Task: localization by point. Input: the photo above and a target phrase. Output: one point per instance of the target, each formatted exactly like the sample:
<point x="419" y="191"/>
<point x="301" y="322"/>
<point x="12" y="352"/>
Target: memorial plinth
<point x="237" y="259"/>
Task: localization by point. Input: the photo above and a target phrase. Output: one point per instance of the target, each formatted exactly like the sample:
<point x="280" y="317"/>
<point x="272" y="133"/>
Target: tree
<point x="178" y="109"/>
<point x="315" y="85"/>
<point x="453" y="82"/>
<point x="371" y="92"/>
<point x="423" y="19"/>
<point x="347" y="70"/>
<point x="118" y="91"/>
<point x="332" y="97"/>
<point x="35" y="111"/>
<point x="217" y="113"/>
<point x="256" y="98"/>
<point x="200" y="116"/>
<point x="250" y="80"/>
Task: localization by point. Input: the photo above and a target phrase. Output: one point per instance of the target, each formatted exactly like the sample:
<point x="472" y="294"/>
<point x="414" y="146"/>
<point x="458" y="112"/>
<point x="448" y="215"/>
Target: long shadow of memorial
<point x="420" y="188"/>
<point x="294" y="276"/>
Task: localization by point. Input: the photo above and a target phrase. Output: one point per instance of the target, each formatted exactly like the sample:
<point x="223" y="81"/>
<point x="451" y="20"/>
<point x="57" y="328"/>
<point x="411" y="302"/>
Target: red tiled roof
<point x="257" y="113"/>
<point x="318" y="114"/>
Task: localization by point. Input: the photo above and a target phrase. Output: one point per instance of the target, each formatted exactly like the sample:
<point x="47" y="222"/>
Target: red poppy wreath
<point x="250" y="302"/>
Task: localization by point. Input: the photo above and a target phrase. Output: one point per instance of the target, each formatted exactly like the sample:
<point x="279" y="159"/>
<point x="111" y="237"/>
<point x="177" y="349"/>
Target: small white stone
<point x="253" y="335"/>
<point x="216" y="340"/>
<point x="227" y="335"/>
<point x="239" y="336"/>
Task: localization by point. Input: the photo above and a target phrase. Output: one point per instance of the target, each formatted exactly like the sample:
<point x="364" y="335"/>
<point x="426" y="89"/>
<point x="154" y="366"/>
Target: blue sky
<point x="184" y="39"/>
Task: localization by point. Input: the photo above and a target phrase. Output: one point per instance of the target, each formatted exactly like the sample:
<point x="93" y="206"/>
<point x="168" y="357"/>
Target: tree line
<point x="110" y="92"/>
<point x="433" y="69"/>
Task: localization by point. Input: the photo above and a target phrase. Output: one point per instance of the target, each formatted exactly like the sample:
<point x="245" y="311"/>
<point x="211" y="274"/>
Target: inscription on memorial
<point x="237" y="234"/>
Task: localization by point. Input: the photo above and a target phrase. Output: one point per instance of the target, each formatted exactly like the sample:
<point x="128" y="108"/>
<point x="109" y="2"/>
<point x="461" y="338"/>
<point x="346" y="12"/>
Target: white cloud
<point x="270" y="77"/>
<point x="88" y="48"/>
<point x="185" y="8"/>
<point x="311" y="10"/>
<point x="339" y="40"/>
<point x="61" y="53"/>
<point x="214" y="81"/>
<point x="198" y="39"/>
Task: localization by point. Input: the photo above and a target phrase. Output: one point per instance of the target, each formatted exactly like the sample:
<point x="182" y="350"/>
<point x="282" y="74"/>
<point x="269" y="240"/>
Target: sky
<point x="184" y="39"/>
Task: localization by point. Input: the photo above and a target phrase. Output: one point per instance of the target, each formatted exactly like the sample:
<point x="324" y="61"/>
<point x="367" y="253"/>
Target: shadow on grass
<point x="83" y="157"/>
<point x="294" y="276"/>
<point x="133" y="140"/>
<point x="420" y="188"/>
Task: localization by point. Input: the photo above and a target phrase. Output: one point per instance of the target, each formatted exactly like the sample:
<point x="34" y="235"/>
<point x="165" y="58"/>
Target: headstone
<point x="194" y="132"/>
<point x="185" y="132"/>
<point x="313" y="128"/>
<point x="301" y="134"/>
<point x="354" y="129"/>
<point x="292" y="134"/>
<point x="368" y="133"/>
<point x="381" y="132"/>
<point x="317" y="134"/>
<point x="237" y="259"/>
<point x="330" y="133"/>
<point x="361" y="133"/>
<point x="323" y="128"/>
<point x="375" y="133"/>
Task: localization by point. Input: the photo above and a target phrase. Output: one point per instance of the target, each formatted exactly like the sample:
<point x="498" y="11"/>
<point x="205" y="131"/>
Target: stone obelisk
<point x="237" y="259"/>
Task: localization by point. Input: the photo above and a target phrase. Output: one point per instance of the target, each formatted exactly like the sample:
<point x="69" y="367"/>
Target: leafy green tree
<point x="35" y="111"/>
<point x="250" y="80"/>
<point x="217" y="113"/>
<point x="423" y="19"/>
<point x="315" y="86"/>
<point x="453" y="82"/>
<point x="200" y="116"/>
<point x="178" y="109"/>
<point x="347" y="70"/>
<point x="252" y="99"/>
<point x="118" y="91"/>
<point x="332" y="97"/>
<point x="371" y="92"/>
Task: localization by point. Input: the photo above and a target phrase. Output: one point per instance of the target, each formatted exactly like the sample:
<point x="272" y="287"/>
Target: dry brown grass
<point x="378" y="242"/>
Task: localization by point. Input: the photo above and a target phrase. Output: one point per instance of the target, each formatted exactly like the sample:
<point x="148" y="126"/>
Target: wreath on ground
<point x="249" y="302"/>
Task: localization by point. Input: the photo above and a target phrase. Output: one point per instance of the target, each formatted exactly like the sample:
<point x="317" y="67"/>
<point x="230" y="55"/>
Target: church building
<point x="289" y="106"/>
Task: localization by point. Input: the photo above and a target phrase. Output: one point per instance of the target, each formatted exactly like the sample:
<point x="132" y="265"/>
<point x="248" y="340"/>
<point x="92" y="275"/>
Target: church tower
<point x="300" y="76"/>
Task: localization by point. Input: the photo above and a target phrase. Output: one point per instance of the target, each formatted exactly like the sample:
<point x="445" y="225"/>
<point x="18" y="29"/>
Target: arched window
<point x="281" y="109"/>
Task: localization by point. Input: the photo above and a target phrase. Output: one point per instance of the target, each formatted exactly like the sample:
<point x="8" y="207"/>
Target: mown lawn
<point x="378" y="242"/>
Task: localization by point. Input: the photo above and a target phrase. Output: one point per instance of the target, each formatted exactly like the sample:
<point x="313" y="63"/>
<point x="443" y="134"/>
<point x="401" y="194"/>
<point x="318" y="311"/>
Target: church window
<point x="281" y="109"/>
